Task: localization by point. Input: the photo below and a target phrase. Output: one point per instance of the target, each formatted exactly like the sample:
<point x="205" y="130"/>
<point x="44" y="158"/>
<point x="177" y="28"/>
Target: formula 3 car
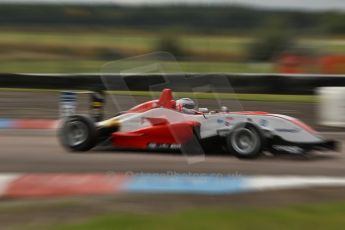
<point x="167" y="124"/>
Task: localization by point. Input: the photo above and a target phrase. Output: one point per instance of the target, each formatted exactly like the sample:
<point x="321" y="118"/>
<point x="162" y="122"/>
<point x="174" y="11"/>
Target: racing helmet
<point x="185" y="105"/>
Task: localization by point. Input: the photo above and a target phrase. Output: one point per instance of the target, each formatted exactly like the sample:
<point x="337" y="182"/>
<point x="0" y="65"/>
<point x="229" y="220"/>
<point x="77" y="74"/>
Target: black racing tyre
<point x="78" y="133"/>
<point x="245" y="142"/>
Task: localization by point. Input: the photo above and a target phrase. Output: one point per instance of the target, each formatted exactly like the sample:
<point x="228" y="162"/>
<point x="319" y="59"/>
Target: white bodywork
<point x="213" y="124"/>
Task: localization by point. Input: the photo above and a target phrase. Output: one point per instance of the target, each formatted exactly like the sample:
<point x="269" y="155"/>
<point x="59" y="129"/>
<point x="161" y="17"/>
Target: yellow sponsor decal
<point x="97" y="104"/>
<point x="113" y="122"/>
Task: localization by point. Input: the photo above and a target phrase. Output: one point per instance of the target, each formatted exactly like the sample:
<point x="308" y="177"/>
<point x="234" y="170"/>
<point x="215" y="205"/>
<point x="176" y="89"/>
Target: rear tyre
<point x="245" y="141"/>
<point x="78" y="133"/>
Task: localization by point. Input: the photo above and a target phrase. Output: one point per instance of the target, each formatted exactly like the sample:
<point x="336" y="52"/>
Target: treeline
<point x="180" y="18"/>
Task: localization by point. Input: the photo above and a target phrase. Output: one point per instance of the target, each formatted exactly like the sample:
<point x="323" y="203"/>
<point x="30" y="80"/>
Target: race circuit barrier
<point x="28" y="123"/>
<point x="240" y="83"/>
<point x="56" y="185"/>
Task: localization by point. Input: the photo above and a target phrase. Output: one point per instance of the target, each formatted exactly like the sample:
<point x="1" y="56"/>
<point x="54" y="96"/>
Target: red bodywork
<point x="165" y="101"/>
<point x="161" y="132"/>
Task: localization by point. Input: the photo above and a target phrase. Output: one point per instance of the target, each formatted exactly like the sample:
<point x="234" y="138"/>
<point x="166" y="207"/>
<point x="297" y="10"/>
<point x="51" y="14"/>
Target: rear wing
<point x="95" y="101"/>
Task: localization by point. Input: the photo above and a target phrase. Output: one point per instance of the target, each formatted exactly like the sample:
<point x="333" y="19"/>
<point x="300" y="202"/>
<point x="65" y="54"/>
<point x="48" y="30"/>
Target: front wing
<point x="277" y="144"/>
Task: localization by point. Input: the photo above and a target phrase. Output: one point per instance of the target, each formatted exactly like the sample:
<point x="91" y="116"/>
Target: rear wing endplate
<point x="69" y="103"/>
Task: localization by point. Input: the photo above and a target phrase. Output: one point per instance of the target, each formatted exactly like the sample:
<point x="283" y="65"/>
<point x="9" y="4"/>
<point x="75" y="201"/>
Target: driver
<point x="186" y="105"/>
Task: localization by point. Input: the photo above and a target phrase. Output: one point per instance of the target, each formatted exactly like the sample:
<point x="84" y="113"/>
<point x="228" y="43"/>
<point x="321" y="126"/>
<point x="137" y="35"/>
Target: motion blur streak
<point x="47" y="185"/>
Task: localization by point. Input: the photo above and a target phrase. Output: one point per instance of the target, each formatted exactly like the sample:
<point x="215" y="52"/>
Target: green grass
<point x="229" y="96"/>
<point x="196" y="95"/>
<point x="85" y="39"/>
<point x="138" y="42"/>
<point x="57" y="66"/>
<point x="87" y="51"/>
<point x="145" y="41"/>
<point x="75" y="66"/>
<point x="336" y="45"/>
<point x="220" y="44"/>
<point x="141" y="41"/>
<point x="330" y="216"/>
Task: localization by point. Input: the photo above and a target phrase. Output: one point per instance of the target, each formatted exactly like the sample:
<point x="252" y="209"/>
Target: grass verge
<point x="95" y="66"/>
<point x="229" y="96"/>
<point x="325" y="216"/>
<point x="196" y="95"/>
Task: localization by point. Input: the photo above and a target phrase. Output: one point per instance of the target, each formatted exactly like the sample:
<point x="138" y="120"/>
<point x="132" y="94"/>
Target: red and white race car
<point x="177" y="125"/>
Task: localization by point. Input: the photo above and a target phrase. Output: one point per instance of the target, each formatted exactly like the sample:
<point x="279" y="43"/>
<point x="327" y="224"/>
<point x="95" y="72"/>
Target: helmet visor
<point x="189" y="106"/>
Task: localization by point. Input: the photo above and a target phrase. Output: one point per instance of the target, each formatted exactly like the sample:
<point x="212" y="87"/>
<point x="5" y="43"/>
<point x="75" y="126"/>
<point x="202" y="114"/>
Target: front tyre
<point x="78" y="133"/>
<point x="245" y="141"/>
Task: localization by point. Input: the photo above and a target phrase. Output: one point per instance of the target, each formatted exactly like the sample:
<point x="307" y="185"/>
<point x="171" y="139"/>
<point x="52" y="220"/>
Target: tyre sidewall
<point x="257" y="150"/>
<point x="88" y="143"/>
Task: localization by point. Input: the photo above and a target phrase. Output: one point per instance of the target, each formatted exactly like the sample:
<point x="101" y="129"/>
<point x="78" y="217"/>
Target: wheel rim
<point x="76" y="133"/>
<point x="244" y="141"/>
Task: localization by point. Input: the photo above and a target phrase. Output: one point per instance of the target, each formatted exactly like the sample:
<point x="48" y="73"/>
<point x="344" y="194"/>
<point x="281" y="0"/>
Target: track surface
<point x="39" y="151"/>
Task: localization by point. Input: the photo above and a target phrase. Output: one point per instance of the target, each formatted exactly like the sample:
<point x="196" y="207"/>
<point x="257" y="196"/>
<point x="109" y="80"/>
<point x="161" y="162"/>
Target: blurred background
<point x="261" y="36"/>
<point x="279" y="43"/>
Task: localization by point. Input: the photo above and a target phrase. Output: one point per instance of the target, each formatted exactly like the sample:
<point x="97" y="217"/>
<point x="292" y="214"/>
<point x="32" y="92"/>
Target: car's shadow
<point x="302" y="157"/>
<point x="265" y="156"/>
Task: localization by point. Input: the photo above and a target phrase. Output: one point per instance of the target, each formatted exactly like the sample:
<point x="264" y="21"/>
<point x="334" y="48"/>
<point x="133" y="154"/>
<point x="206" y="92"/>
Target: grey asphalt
<point x="39" y="151"/>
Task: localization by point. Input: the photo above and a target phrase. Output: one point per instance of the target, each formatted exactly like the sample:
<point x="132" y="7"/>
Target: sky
<point x="280" y="4"/>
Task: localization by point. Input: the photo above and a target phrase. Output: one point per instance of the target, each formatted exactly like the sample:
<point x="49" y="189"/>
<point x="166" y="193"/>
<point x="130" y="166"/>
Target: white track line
<point x="286" y="182"/>
<point x="6" y="180"/>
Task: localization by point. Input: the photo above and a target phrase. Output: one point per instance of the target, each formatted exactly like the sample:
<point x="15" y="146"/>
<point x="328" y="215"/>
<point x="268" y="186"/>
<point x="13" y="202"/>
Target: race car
<point x="168" y="124"/>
